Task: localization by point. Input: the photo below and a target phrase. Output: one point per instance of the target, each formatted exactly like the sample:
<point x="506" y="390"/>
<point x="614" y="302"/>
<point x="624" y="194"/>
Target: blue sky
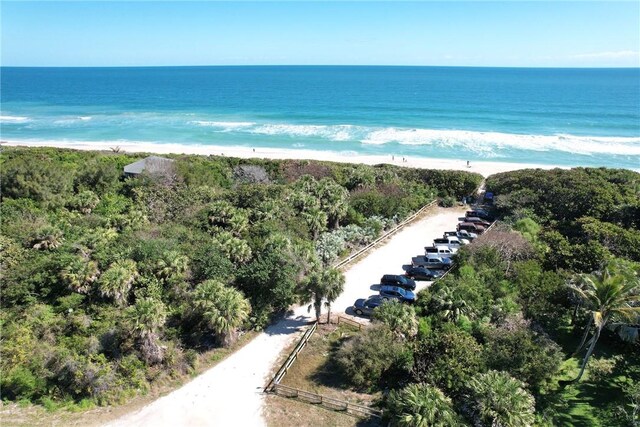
<point x="544" y="34"/>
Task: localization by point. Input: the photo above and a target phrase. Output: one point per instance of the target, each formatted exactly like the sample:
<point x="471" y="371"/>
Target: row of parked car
<point x="430" y="266"/>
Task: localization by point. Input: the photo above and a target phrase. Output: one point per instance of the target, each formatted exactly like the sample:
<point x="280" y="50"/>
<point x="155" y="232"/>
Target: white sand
<point x="229" y="394"/>
<point x="484" y="168"/>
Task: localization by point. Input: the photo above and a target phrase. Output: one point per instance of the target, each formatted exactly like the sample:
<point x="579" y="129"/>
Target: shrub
<point x="447" y="358"/>
<point x="497" y="399"/>
<point x="21" y="383"/>
<point x="373" y="358"/>
<point x="600" y="367"/>
<point x="526" y="355"/>
<point x="447" y="202"/>
<point x="421" y="405"/>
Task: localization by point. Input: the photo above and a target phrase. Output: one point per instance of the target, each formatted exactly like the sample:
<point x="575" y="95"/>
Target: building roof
<point x="151" y="164"/>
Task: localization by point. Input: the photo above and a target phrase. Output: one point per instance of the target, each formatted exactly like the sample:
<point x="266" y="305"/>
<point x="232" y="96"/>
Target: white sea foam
<point x="223" y="126"/>
<point x="13" y="119"/>
<point x="333" y="132"/>
<point x="72" y="120"/>
<point x="488" y="142"/>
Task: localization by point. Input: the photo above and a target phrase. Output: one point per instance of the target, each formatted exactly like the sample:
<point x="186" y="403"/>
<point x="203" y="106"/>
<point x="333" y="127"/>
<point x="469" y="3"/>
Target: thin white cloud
<point x="621" y="54"/>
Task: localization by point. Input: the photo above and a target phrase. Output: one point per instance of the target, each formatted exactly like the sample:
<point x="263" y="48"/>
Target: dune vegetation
<point x="111" y="284"/>
<point x="537" y="324"/>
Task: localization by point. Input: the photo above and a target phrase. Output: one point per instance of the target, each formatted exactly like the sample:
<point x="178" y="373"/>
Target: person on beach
<point x="468" y="165"/>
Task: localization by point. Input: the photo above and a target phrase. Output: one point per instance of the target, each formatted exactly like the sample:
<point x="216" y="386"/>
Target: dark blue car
<point x="397" y="292"/>
<point x="422" y="273"/>
<point x="364" y="307"/>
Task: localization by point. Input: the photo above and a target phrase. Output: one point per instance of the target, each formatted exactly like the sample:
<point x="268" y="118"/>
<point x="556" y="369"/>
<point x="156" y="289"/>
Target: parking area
<point x="363" y="278"/>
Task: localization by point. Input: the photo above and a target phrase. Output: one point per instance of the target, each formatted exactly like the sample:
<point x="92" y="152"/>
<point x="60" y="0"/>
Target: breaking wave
<point x="223" y="126"/>
<point x="484" y="143"/>
<point x="13" y="119"/>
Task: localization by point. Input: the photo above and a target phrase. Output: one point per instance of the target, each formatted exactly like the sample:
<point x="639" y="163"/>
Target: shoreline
<point x="485" y="168"/>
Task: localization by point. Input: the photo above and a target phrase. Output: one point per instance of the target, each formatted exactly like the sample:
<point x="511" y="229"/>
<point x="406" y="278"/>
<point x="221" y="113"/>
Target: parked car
<point x="450" y="241"/>
<point x="479" y="213"/>
<point x="398" y="280"/>
<point x="471" y="227"/>
<point x="436" y="263"/>
<point x="423" y="273"/>
<point x="477" y="220"/>
<point x="462" y="235"/>
<point x="439" y="251"/>
<point x="404" y="295"/>
<point x="364" y="307"/>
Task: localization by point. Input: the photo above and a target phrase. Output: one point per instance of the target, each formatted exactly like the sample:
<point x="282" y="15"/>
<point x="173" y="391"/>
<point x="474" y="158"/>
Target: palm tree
<point x="223" y="309"/>
<point x="238" y="222"/>
<point x="609" y="294"/>
<point x="148" y="316"/>
<point x="237" y="250"/>
<point x="333" y="199"/>
<point x="266" y="210"/>
<point x="499" y="400"/>
<point x="316" y="219"/>
<point x="132" y="220"/>
<point x="304" y="201"/>
<point x="80" y="274"/>
<point x="47" y="238"/>
<point x="85" y="201"/>
<point x="314" y="291"/>
<point x="421" y="405"/>
<point x="219" y="213"/>
<point x="400" y="318"/>
<point x="326" y="285"/>
<point x="171" y="264"/>
<point x="448" y="305"/>
<point x="224" y="216"/>
<point x="117" y="281"/>
<point x="333" y="287"/>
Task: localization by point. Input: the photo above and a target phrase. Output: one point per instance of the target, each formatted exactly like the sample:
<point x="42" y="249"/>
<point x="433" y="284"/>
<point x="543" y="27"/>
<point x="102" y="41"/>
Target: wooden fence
<point x="350" y="322"/>
<point x="274" y="385"/>
<point x="328" y="402"/>
<point x="292" y="357"/>
<point x="385" y="235"/>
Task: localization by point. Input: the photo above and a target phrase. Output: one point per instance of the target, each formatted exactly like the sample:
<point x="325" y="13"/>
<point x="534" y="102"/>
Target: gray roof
<point x="151" y="164"/>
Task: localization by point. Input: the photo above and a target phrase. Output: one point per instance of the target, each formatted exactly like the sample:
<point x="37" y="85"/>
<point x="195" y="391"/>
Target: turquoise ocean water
<point x="588" y="117"/>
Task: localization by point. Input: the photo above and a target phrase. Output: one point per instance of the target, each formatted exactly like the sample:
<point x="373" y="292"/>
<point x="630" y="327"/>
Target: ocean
<point x="565" y="117"/>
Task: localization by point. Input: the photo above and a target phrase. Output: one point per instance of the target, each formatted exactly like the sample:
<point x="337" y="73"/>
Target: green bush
<point x="374" y="358"/>
<point x="447" y="202"/>
<point x="21" y="383"/>
<point x="447" y="358"/>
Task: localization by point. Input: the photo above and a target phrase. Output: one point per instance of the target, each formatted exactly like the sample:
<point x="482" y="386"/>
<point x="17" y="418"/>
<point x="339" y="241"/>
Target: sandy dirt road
<point x="230" y="394"/>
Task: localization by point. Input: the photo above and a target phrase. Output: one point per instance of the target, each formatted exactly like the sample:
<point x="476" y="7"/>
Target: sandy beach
<point x="484" y="168"/>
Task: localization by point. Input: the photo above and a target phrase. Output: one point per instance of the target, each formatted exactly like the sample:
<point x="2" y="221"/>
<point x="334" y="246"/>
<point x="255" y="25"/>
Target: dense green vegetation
<point x="110" y="284"/>
<point x="538" y="323"/>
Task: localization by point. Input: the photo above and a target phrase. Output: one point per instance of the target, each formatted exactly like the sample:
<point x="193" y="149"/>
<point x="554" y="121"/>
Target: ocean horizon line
<point x="505" y="67"/>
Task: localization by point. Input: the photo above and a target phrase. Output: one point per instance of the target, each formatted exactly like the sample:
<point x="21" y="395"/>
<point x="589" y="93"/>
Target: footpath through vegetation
<point x="231" y="392"/>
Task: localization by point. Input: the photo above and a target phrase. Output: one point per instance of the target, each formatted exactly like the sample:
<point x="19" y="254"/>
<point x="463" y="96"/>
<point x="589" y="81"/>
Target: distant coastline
<point x="485" y="168"/>
<point x="564" y="117"/>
